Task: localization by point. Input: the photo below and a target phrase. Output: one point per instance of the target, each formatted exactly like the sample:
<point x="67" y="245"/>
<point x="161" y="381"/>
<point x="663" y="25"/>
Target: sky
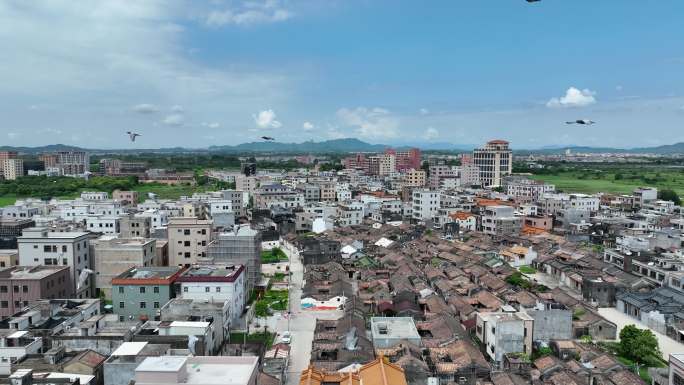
<point x="202" y="73"/>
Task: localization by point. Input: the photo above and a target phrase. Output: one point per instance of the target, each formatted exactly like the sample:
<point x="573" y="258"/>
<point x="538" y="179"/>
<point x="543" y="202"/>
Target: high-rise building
<point x="405" y="159"/>
<point x="495" y="161"/>
<point x="240" y="246"/>
<point x="67" y="162"/>
<point x="12" y="168"/>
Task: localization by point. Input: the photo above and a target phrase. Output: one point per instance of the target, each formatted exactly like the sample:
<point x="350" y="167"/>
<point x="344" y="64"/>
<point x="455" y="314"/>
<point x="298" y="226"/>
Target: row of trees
<point x="47" y="187"/>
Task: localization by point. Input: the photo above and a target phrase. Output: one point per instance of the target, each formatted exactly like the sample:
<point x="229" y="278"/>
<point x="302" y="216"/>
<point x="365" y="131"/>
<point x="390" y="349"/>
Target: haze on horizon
<point x="195" y="74"/>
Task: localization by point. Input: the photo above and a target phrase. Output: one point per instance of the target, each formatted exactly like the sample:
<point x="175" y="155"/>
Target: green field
<point x="621" y="181"/>
<point x="166" y="191"/>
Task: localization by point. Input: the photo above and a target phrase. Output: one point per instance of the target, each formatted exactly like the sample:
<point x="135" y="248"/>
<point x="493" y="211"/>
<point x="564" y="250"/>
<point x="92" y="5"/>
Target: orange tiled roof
<point x="483" y="202"/>
<point x="461" y="215"/>
<point x="376" y="372"/>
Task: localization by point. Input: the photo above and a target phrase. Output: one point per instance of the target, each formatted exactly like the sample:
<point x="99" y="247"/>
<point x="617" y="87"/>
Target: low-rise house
<point x="101" y="333"/>
<point x="388" y="332"/>
<point x="197" y="370"/>
<point x="140" y="292"/>
<point x="215" y="284"/>
<point x="504" y="332"/>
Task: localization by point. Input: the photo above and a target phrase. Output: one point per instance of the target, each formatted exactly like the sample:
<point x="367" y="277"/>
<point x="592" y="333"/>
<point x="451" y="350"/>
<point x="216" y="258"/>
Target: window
<point x="24" y="289"/>
<point x="143" y="305"/>
<point x="156" y="290"/>
<point x="121" y="305"/>
<point x="185" y="289"/>
<point x="64" y="248"/>
<point x="121" y="290"/>
<point x="156" y="305"/>
<point x="187" y="254"/>
<point x="47" y="248"/>
<point x="121" y="318"/>
<point x="186" y="232"/>
<point x="218" y="289"/>
<point x="206" y="289"/>
<point x="142" y="289"/>
<point x="3" y="289"/>
<point x="16" y="289"/>
<point x="186" y="244"/>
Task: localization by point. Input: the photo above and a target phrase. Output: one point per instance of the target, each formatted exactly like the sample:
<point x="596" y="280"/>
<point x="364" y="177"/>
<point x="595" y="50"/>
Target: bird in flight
<point x="267" y="138"/>
<point x="132" y="135"/>
<point x="533" y="1"/>
<point x="582" y="121"/>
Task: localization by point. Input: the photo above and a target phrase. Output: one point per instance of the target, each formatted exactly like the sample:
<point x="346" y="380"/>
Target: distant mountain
<point x="334" y="145"/>
<point x="347" y="145"/>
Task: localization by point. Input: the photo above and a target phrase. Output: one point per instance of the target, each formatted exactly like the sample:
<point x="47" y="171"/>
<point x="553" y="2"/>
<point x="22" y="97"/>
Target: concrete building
<point x="69" y="163"/>
<point x="425" y="204"/>
<point x="415" y="178"/>
<point x="139" y="293"/>
<point x="216" y="314"/>
<point x="21" y="285"/>
<point x="246" y="183"/>
<point x="119" y="368"/>
<point x="382" y="165"/>
<point x="500" y="220"/>
<point x="505" y="332"/>
<point x="9" y="257"/>
<point x="17" y="344"/>
<point x="126" y="198"/>
<point x="388" y="332"/>
<point x="188" y="240"/>
<point x="38" y="246"/>
<point x="12" y="168"/>
<point x="405" y="159"/>
<point x="198" y="370"/>
<point x="214" y="283"/>
<point x="11" y="228"/>
<point x="158" y="218"/>
<point x="676" y="375"/>
<point x="114" y="256"/>
<point x="105" y="224"/>
<point x="495" y="161"/>
<point x="552" y="321"/>
<point x="131" y="226"/>
<point x="242" y="246"/>
<point x="524" y="188"/>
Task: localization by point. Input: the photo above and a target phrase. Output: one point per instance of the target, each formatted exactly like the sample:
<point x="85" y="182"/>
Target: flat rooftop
<point x="225" y="370"/>
<point x="212" y="273"/>
<point x="30" y="272"/>
<point x="144" y="273"/>
<point x="394" y="327"/>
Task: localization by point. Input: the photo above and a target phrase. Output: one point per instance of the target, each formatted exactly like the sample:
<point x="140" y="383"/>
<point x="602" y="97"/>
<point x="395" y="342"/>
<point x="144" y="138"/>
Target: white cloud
<point x="308" y="126"/>
<point x="53" y="131"/>
<point x="573" y="97"/>
<point x="266" y="119"/>
<point x="12" y="135"/>
<point x="145" y="108"/>
<point x="619" y="88"/>
<point x="249" y="13"/>
<point x="424" y="111"/>
<point x="177" y="109"/>
<point x="211" y="124"/>
<point x="174" y="120"/>
<point x="431" y="133"/>
<point x="373" y="123"/>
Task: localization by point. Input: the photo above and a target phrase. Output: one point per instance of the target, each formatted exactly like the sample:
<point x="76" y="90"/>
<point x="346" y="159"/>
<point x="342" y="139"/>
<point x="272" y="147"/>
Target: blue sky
<point x="199" y="73"/>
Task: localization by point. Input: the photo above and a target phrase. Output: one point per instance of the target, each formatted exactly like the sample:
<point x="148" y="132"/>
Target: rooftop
<point x="225" y="370"/>
<point x="30" y="272"/>
<point x="150" y="274"/>
<point x="211" y="273"/>
<point x="394" y="327"/>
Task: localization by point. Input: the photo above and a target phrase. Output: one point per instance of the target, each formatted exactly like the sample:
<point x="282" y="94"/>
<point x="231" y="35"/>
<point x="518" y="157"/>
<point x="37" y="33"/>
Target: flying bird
<point x="533" y="1"/>
<point x="132" y="135"/>
<point x="582" y="121"/>
<point x="267" y="138"/>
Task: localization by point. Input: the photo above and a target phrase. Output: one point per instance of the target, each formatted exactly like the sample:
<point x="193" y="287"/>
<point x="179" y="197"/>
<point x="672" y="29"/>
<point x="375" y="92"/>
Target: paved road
<point x="667" y="344"/>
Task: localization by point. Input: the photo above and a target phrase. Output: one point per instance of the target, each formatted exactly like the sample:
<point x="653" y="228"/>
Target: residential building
<point x="644" y="195"/>
<point x="38" y="246"/>
<point x="415" y="178"/>
<point x="524" y="188"/>
<point x="116" y="167"/>
<point x="20" y="285"/>
<point x="246" y="183"/>
<point x="517" y="256"/>
<point x="504" y="332"/>
<point x="158" y="218"/>
<point x="215" y="318"/>
<point x="11" y="228"/>
<point x="17" y="344"/>
<point x="188" y="240"/>
<point x="441" y="173"/>
<point x="382" y="165"/>
<point x="425" y="204"/>
<point x="114" y="256"/>
<point x="495" y="160"/>
<point x="69" y="163"/>
<point x="676" y="372"/>
<point x="242" y="246"/>
<point x="388" y="332"/>
<point x="405" y="159"/>
<point x="132" y="226"/>
<point x="198" y="370"/>
<point x="12" y="168"/>
<point x="126" y="197"/>
<point x="105" y="224"/>
<point x="9" y="257"/>
<point x="268" y="195"/>
<point x="552" y="321"/>
<point x="500" y="220"/>
<point x="139" y="292"/>
<point x="215" y="283"/>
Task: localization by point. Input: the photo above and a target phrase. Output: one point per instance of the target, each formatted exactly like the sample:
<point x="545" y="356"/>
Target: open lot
<point x="618" y="181"/>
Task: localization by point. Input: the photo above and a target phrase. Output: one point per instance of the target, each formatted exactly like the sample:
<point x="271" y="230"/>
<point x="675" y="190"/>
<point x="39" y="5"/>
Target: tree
<point x="669" y="195"/>
<point x="637" y="344"/>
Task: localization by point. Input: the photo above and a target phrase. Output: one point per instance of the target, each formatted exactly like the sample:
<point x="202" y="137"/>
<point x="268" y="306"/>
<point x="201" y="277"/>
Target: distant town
<point x="399" y="266"/>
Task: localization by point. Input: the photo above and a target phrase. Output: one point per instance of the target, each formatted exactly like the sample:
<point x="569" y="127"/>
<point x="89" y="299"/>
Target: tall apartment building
<point x="415" y="178"/>
<point x="495" y="161"/>
<point x="246" y="183"/>
<point x="382" y="165"/>
<point x="241" y="246"/>
<point x="12" y="168"/>
<point x="116" y="167"/>
<point x="114" y="256"/>
<point x="38" y="246"/>
<point x="441" y="172"/>
<point x="188" y="240"/>
<point x="71" y="163"/>
<point x="20" y="285"/>
<point x="405" y="159"/>
<point x="425" y="204"/>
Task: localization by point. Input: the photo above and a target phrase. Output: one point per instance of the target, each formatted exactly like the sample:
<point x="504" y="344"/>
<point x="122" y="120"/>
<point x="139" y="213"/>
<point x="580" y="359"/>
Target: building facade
<point x="494" y="160"/>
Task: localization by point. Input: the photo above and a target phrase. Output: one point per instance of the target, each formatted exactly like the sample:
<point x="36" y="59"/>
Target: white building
<point x="94" y="196"/>
<point x="158" y="218"/>
<point x="500" y="220"/>
<point x="12" y="168"/>
<point x="37" y="246"/>
<point x="17" y="344"/>
<point x="425" y="204"/>
<point x="214" y="283"/>
<point x="504" y="332"/>
<point x="109" y="225"/>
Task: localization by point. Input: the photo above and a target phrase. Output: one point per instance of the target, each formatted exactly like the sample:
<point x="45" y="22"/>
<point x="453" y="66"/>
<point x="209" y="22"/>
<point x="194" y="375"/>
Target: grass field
<point x="615" y="181"/>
